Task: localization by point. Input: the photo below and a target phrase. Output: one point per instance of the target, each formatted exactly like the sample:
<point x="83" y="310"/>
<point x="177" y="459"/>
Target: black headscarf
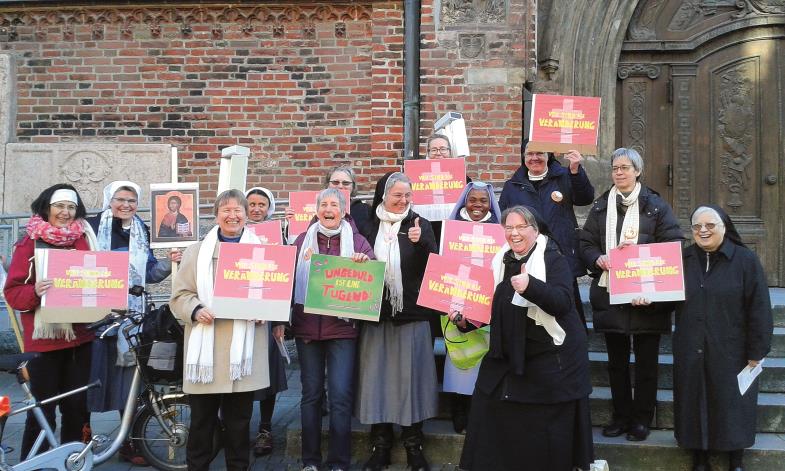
<point x="551" y="155"/>
<point x="378" y="194"/>
<point x="730" y="230"/>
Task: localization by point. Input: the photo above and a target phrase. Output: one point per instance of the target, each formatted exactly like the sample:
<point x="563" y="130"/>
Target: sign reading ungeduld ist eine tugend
<point x="340" y="287"/>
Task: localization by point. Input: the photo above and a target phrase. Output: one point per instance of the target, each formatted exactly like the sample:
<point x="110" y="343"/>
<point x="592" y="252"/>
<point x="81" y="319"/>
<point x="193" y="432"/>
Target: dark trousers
<point x="236" y="410"/>
<point x="337" y="356"/>
<point x="51" y="374"/>
<point x="626" y="408"/>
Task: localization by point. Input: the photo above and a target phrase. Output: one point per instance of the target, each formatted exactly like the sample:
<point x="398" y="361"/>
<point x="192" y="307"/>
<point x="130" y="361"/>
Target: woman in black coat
<point x="530" y="408"/>
<point x="628" y="213"/>
<point x="724" y="325"/>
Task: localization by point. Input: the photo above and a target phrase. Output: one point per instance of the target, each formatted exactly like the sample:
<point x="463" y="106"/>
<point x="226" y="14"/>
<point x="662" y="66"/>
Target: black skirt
<point x="504" y="435"/>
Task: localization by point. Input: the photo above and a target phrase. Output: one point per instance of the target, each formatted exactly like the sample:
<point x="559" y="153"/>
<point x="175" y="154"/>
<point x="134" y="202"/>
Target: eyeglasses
<point x="341" y="183"/>
<point x="400" y="196"/>
<point x="64" y="207"/>
<point x="709" y="226"/>
<point x="623" y="168"/>
<point x="519" y="228"/>
<point x="439" y="150"/>
<point x="128" y="201"/>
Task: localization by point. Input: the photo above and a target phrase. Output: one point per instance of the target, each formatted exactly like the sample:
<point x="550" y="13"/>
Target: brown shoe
<point x="263" y="445"/>
<point x="129" y="453"/>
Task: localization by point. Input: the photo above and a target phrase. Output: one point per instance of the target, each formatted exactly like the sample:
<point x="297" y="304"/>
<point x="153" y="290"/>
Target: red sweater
<point x="20" y="293"/>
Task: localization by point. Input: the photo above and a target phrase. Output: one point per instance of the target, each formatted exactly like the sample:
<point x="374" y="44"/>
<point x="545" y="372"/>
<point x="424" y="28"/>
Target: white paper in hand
<point x="283" y="350"/>
<point x="747" y="376"/>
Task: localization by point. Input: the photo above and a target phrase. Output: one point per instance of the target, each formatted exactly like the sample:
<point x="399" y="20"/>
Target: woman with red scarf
<point x="64" y="364"/>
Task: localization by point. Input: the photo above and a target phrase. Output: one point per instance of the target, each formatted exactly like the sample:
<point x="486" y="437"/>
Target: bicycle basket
<point x="160" y="350"/>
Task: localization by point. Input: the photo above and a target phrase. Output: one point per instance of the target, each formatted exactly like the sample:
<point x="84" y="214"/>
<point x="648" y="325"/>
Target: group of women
<point x="530" y="390"/>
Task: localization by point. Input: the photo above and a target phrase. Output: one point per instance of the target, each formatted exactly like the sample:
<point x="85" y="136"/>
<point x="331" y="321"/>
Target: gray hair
<point x="635" y="158"/>
<point x="334" y="193"/>
<point x="523" y="212"/>
<point x="394" y="178"/>
<point x="227" y="195"/>
<point x="348" y="170"/>
<point x="126" y="188"/>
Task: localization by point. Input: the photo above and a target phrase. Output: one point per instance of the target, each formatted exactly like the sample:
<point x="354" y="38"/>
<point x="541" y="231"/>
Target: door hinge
<point x="670" y="174"/>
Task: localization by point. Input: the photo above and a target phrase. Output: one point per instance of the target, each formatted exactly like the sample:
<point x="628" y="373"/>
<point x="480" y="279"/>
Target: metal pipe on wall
<point x="411" y="73"/>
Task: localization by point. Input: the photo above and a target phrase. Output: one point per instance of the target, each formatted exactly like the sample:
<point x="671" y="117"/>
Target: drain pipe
<point x="411" y="76"/>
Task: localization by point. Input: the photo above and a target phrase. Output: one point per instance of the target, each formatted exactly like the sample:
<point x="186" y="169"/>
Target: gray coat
<point x="725" y="321"/>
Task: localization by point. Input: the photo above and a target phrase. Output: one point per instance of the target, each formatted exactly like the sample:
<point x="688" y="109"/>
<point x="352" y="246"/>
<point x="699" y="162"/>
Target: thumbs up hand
<point x="415" y="232"/>
<point x="520" y="282"/>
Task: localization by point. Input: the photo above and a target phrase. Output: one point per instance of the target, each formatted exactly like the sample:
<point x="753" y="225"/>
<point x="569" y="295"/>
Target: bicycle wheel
<point x="162" y="450"/>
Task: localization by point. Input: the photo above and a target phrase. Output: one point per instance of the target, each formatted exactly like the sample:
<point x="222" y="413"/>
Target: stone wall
<point x="304" y="85"/>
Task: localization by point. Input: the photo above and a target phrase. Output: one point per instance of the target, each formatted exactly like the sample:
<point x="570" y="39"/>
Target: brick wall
<point x="305" y="86"/>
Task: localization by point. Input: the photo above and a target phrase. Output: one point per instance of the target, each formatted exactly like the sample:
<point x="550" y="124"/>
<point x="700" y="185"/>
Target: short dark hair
<point x="225" y="196"/>
<point x="259" y="192"/>
<point x="40" y="205"/>
<point x="174" y="198"/>
<point x="126" y="188"/>
<point x="523" y="212"/>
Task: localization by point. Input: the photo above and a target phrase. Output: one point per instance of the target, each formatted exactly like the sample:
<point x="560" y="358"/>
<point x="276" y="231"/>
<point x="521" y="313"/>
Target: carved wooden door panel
<point x="738" y="122"/>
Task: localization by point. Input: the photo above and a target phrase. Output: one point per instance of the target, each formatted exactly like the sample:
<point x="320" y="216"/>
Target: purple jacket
<point x="315" y="327"/>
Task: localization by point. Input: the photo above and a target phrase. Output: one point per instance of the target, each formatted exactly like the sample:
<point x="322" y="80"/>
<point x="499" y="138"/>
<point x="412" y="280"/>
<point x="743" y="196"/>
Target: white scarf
<point x="138" y="253"/>
<point x="387" y="249"/>
<point x="535" y="267"/>
<point x="630" y="227"/>
<point x="465" y="215"/>
<point x="199" y="361"/>
<point x="311" y="241"/>
<point x="536" y="178"/>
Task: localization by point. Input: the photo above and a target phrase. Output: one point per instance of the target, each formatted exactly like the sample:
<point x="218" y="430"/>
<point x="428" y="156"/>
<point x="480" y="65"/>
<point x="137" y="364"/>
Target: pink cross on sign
<point x="256" y="287"/>
<point x="436" y="170"/>
<point x="478" y="257"/>
<point x="457" y="303"/>
<point x="648" y="283"/>
<point x="566" y="133"/>
<point x="90" y="294"/>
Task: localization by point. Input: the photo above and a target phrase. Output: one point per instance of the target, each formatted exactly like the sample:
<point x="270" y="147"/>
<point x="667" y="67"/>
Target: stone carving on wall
<point x="625" y="71"/>
<point x="636" y="132"/>
<point x="642" y="22"/>
<point x="471" y="45"/>
<point x="766" y="6"/>
<point x="684" y="103"/>
<point x="473" y="11"/>
<point x="692" y="12"/>
<point x="84" y="169"/>
<point x="130" y="18"/>
<point x="735" y="119"/>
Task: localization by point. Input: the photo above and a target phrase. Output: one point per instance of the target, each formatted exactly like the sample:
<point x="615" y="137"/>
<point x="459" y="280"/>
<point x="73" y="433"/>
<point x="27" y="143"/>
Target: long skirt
<point x="115" y="380"/>
<point x="504" y="435"/>
<point x="277" y="372"/>
<point x="397" y="374"/>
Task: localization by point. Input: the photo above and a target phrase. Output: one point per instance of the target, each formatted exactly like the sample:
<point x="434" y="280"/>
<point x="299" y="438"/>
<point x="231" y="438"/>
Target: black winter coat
<point x="576" y="190"/>
<point x="725" y="320"/>
<point x="657" y="224"/>
<point x="414" y="257"/>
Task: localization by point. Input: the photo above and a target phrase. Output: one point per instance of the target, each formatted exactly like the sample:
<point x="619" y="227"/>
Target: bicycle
<point x="158" y="421"/>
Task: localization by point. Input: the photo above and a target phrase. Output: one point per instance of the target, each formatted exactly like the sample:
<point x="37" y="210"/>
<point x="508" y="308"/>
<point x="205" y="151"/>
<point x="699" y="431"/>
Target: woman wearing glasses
<point x="530" y="408"/>
<point x="629" y="213"/>
<point x="119" y="228"/>
<point x="724" y="325"/>
<point x="344" y="178"/>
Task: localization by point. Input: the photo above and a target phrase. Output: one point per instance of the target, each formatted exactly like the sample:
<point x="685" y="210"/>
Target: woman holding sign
<point x="64" y="364"/>
<point x="724" y="325"/>
<point x="119" y="228"/>
<point x="261" y="204"/>
<point x="225" y="359"/>
<point x="530" y="408"/>
<point x="397" y="372"/>
<point x="324" y="340"/>
<point x="629" y="213"/>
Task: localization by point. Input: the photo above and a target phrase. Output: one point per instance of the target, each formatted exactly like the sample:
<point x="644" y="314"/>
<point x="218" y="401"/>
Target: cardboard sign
<point x="86" y="285"/>
<point x="254" y="281"/>
<point x="451" y="285"/>
<point x="269" y="232"/>
<point x="471" y="242"/>
<point x="653" y="271"/>
<point x="436" y="185"/>
<point x="562" y="123"/>
<point x="304" y="205"/>
<point x="339" y="287"/>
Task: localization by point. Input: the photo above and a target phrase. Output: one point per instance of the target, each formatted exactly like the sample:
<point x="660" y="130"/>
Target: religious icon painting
<point x="174" y="214"/>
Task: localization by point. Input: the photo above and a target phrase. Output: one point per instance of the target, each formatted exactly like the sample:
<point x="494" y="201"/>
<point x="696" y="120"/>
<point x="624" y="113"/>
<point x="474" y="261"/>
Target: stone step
<point x="777" y="304"/>
<point x="771" y="410"/>
<point x="597" y="342"/>
<point x="658" y="453"/>
<point x="772" y="379"/>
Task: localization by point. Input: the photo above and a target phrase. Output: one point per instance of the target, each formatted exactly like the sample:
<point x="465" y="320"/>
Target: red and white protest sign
<point x="451" y="285"/>
<point x="304" y="205"/>
<point x="563" y="123"/>
<point x="254" y="281"/>
<point x="652" y="271"/>
<point x="471" y="242"/>
<point x="85" y="285"/>
<point x="269" y="232"/>
<point x="436" y="185"/>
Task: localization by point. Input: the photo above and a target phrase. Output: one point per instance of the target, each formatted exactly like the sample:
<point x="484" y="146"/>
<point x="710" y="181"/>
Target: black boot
<point x="381" y="443"/>
<point x="412" y="438"/>
<point x="460" y="412"/>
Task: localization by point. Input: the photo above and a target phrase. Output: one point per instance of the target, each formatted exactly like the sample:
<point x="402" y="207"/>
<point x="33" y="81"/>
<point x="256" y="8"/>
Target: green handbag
<point x="466" y="349"/>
